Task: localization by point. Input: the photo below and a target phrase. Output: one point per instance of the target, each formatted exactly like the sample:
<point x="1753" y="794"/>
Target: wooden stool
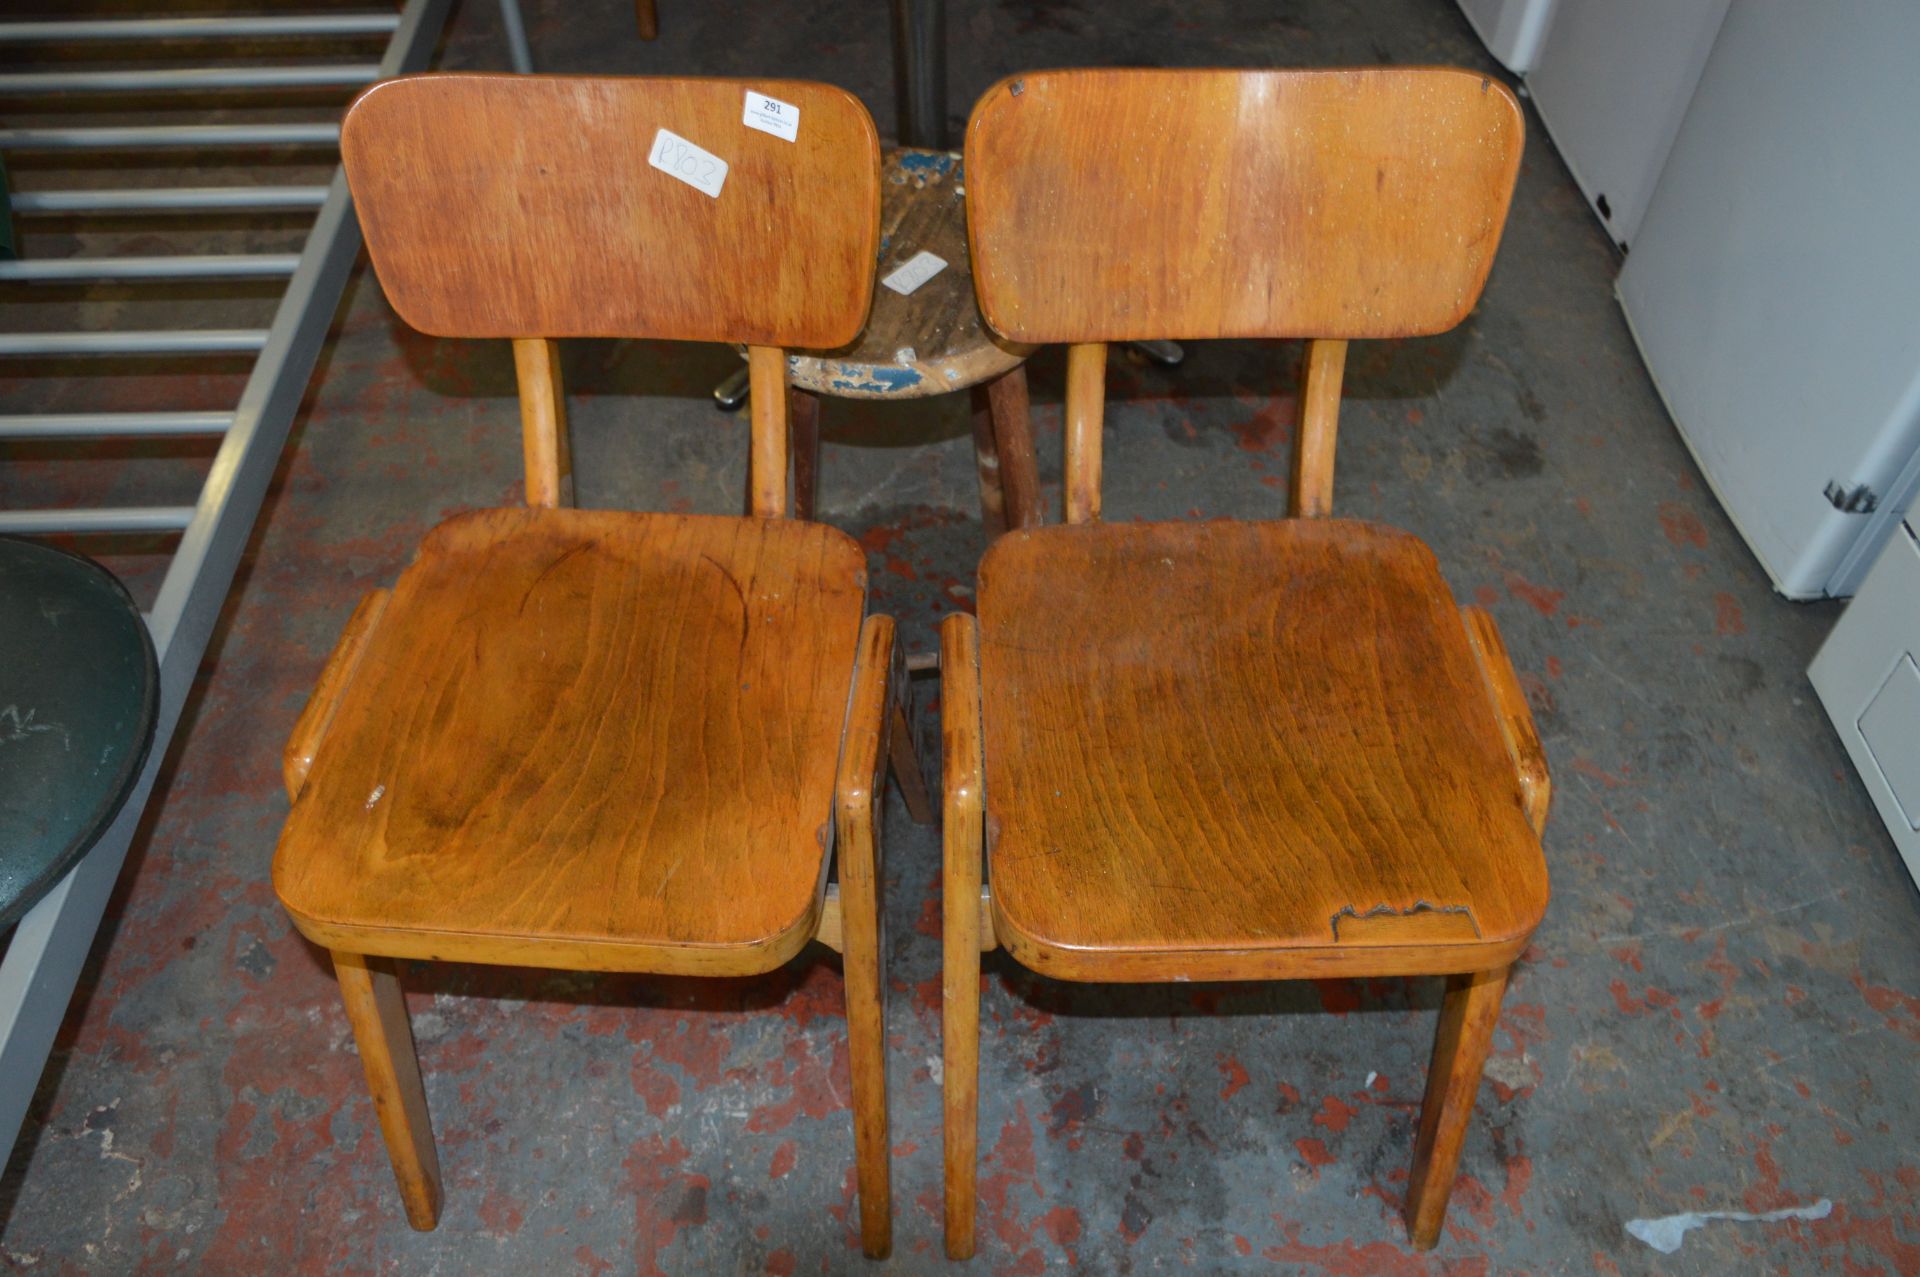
<point x="929" y="342"/>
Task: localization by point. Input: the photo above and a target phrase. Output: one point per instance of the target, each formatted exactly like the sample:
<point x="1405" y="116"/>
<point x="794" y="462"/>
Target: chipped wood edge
<point x="1510" y="709"/>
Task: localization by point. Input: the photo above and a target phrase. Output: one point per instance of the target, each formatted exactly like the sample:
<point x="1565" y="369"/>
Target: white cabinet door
<point x="1511" y="29"/>
<point x="1611" y="81"/>
<point x="1774" y="286"/>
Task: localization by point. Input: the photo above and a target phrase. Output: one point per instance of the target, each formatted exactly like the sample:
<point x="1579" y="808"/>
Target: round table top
<point x="79" y="693"/>
<point x="933" y="340"/>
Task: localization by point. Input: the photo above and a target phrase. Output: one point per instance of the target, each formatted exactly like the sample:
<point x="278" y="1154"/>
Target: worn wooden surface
<point x="860" y="795"/>
<point x="1119" y="204"/>
<point x="1233" y="751"/>
<point x="962" y="836"/>
<point x="1510" y="707"/>
<point x="587" y="739"/>
<point x="931" y="341"/>
<point x="525" y="206"/>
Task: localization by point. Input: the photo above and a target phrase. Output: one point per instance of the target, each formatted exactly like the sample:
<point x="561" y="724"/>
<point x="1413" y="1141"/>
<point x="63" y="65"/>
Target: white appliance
<point x="1511" y="29"/>
<point x="1611" y="80"/>
<point x="1868" y="676"/>
<point x="1774" y="286"/>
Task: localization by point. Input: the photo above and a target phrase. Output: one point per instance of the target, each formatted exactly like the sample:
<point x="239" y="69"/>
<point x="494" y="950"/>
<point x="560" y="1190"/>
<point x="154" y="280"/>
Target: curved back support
<point x="1115" y="205"/>
<point x="1122" y="205"/>
<point x="538" y="207"/>
<point x="526" y="206"/>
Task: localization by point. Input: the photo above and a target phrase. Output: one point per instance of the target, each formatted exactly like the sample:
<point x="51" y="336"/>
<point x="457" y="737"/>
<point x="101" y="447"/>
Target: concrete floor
<point x="1720" y="1013"/>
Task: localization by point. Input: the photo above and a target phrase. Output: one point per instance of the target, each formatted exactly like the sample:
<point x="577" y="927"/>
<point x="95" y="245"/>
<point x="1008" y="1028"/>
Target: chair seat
<point x="79" y="696"/>
<point x="1243" y="751"/>
<point x="930" y="341"/>
<point x="587" y="739"/>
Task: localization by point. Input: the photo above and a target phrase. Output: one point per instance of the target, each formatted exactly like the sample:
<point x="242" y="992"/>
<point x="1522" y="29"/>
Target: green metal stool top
<point x="79" y="693"/>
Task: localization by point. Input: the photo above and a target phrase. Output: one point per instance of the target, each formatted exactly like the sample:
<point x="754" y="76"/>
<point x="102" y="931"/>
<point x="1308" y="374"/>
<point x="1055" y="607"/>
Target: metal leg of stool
<point x="920" y="71"/>
<point x="516" y="37"/>
<point x="730" y="394"/>
<point x="1166" y="353"/>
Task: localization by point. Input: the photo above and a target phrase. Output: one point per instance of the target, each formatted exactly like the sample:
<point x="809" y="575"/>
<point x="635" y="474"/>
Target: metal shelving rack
<point x="42" y="962"/>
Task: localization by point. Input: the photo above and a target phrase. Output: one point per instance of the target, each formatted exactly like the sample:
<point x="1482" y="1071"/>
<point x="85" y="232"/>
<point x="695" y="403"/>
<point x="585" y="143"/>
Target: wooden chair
<point x="1232" y="750"/>
<point x="597" y="740"/>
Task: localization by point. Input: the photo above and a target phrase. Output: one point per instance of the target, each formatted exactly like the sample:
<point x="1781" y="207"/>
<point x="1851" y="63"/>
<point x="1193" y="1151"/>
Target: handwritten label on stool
<point x="771" y="115"/>
<point x="674" y="155"/>
<point x="919" y="268"/>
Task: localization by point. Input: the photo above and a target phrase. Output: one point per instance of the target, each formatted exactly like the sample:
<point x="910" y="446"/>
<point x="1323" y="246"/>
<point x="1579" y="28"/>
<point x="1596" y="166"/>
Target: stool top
<point x="933" y="340"/>
<point x="79" y="693"/>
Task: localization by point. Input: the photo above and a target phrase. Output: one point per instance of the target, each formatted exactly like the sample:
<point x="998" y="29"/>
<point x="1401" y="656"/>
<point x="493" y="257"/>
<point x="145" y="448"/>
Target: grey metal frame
<point x="178" y="199"/>
<point x="43" y="960"/>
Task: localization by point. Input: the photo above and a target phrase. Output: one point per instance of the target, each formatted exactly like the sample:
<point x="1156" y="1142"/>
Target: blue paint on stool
<point x="927" y="162"/>
<point x="880" y="380"/>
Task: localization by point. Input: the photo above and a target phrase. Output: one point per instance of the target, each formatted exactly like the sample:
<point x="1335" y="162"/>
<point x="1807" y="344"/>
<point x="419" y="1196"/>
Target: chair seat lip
<point x="1051" y="939"/>
<point x="1018" y="542"/>
<point x="1064" y="959"/>
<point x="330" y="918"/>
<point x="665" y="955"/>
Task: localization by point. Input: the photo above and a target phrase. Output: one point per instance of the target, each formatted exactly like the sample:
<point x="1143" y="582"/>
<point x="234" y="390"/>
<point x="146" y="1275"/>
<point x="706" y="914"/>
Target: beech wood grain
<point x="1244" y="750"/>
<point x="587" y="739"/>
<point x="1114" y="205"/>
<point x="525" y="206"/>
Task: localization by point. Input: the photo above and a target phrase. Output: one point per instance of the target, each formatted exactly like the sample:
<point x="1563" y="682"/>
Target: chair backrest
<point x="528" y="206"/>
<point x="542" y="207"/>
<point x="1112" y="205"/>
<point x="1117" y="205"/>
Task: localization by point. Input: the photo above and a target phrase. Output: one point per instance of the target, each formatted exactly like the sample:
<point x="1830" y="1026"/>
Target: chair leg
<point x="649" y="21"/>
<point x="960" y="1049"/>
<point x="378" y="1013"/>
<point x="803" y="435"/>
<point x="903" y="754"/>
<point x="961" y="878"/>
<point x="986" y="456"/>
<point x="858" y="792"/>
<point x="1013" y="440"/>
<point x="1467" y="1018"/>
<point x="861" y="901"/>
